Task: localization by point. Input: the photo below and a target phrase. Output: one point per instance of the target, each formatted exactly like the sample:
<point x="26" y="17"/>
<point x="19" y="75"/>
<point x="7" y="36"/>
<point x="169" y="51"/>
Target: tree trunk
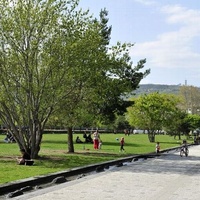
<point x="29" y="140"/>
<point x="35" y="146"/>
<point x="151" y="137"/>
<point x="179" y="136"/>
<point x="70" y="140"/>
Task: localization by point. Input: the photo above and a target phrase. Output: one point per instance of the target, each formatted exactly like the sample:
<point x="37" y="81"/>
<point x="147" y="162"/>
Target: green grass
<point x="54" y="156"/>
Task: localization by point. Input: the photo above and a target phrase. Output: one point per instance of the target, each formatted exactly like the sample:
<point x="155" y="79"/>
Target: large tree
<point x="54" y="57"/>
<point x="103" y="92"/>
<point x="39" y="44"/>
<point x="152" y="112"/>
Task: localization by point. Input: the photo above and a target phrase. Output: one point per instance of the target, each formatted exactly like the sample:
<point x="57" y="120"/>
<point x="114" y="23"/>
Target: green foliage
<point x="121" y="123"/>
<point x="152" y="112"/>
<point x="179" y="124"/>
<point x="36" y="38"/>
<point x="193" y="121"/>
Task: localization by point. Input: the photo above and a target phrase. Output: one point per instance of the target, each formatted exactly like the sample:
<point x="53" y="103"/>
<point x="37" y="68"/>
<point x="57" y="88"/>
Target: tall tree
<point x="38" y="44"/>
<point x="109" y="77"/>
<point x="53" y="58"/>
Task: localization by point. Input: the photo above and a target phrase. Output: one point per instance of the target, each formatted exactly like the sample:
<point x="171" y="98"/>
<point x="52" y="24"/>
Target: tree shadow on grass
<point x="118" y="144"/>
<point x="54" y="142"/>
<point x="77" y="159"/>
<point x="175" y="142"/>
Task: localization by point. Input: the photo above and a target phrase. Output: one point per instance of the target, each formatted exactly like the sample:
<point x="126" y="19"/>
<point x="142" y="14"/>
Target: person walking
<point x="122" y="144"/>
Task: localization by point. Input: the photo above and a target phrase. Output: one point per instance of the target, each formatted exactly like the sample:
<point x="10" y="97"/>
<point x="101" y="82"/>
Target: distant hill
<point x="150" y="88"/>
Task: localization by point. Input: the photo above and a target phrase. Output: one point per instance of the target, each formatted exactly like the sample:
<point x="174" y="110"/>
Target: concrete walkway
<point x="168" y="177"/>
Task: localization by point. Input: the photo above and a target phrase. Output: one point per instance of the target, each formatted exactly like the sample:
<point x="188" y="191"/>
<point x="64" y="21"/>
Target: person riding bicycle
<point x="184" y="149"/>
<point x="184" y="146"/>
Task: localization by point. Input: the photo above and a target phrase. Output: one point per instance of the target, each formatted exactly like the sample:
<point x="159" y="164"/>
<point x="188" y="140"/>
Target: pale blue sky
<point x="165" y="32"/>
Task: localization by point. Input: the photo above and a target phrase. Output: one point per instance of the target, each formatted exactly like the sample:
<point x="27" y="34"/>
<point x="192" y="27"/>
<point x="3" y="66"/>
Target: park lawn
<point x="54" y="154"/>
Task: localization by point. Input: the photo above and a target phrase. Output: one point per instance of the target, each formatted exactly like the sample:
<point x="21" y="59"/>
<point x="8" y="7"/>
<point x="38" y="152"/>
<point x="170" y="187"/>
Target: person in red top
<point x="122" y="144"/>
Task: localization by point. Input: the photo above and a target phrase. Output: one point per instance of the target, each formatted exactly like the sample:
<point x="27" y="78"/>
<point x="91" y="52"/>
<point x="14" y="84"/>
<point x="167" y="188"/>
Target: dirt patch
<point x="7" y="158"/>
<point x="81" y="152"/>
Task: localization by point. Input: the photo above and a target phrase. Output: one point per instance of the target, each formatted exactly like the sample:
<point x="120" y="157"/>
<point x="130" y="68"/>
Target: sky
<point x="165" y="32"/>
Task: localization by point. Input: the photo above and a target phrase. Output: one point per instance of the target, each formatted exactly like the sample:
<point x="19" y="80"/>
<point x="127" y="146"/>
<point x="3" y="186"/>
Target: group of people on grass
<point x="96" y="141"/>
<point x="87" y="138"/>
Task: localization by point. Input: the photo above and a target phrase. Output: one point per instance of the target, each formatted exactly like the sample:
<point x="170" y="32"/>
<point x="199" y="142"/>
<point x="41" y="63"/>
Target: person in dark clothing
<point x="89" y="139"/>
<point x="122" y="144"/>
<point x="9" y="138"/>
<point x="25" y="156"/>
<point x="84" y="135"/>
<point x="78" y="140"/>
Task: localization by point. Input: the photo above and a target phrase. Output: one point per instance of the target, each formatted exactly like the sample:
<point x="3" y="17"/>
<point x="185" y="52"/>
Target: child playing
<point x="122" y="144"/>
<point x="157" y="147"/>
<point x="100" y="144"/>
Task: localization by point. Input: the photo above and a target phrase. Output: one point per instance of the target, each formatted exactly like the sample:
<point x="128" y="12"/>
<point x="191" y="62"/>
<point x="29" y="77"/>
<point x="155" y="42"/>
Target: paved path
<point x="168" y="177"/>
